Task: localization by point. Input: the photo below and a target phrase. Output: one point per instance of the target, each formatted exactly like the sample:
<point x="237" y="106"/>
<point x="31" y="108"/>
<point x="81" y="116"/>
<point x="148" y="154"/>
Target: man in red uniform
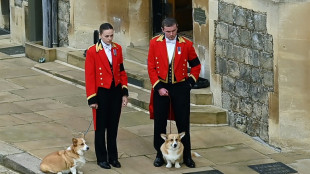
<point x="106" y="90"/>
<point x="168" y="57"/>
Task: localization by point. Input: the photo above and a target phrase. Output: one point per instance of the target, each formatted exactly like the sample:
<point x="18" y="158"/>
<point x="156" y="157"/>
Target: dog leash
<point x="170" y="112"/>
<point x="88" y="127"/>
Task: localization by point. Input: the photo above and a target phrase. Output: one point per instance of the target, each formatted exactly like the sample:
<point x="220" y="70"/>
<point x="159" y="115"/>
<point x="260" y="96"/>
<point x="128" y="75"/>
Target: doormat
<point x="13" y="50"/>
<point x="206" y="172"/>
<point x="4" y="32"/>
<point x="272" y="168"/>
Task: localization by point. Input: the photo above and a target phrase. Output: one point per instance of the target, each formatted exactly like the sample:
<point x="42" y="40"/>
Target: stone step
<point x="200" y="114"/>
<point x="137" y="54"/>
<point x="137" y="75"/>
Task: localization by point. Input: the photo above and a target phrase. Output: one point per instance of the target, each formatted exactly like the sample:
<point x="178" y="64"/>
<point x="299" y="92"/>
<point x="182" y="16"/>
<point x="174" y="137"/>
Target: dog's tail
<point x="195" y="154"/>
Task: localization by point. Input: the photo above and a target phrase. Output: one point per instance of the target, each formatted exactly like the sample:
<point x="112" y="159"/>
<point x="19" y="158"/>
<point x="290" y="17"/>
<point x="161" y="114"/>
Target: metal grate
<point x="13" y="50"/>
<point x="272" y="168"/>
<point x="206" y="172"/>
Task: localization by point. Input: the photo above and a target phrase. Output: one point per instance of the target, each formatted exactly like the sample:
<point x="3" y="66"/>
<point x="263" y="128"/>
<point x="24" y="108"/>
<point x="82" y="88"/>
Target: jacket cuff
<point x="92" y="100"/>
<point x="191" y="81"/>
<point x="158" y="86"/>
<point x="125" y="92"/>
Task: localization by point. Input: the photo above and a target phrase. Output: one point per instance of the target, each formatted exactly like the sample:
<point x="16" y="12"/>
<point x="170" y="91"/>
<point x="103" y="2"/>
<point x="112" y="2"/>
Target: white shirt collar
<point x="171" y="41"/>
<point x="106" y="46"/>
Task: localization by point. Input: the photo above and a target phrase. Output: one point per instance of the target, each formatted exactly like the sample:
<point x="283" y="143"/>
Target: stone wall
<point x="244" y="60"/>
<point x="63" y="22"/>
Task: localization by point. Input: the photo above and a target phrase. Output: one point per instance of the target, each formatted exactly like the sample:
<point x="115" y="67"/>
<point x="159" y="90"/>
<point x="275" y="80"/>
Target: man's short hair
<point x="168" y="22"/>
<point x="105" y="26"/>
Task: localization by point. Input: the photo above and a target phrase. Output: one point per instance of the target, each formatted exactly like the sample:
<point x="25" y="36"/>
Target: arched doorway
<point x="181" y="10"/>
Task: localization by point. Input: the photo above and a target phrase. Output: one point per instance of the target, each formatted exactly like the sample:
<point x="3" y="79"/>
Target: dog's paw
<point x="80" y="172"/>
<point x="169" y="165"/>
<point x="177" y="165"/>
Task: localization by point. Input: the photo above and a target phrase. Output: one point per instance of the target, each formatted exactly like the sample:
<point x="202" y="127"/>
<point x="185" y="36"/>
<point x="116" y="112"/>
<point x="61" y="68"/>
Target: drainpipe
<point x="47" y="23"/>
<point x="54" y="23"/>
<point x="50" y="35"/>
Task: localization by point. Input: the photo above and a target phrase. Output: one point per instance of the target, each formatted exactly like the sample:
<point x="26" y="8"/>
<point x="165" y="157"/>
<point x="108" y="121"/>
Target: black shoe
<point x="115" y="163"/>
<point x="104" y="165"/>
<point x="158" y="162"/>
<point x="189" y="163"/>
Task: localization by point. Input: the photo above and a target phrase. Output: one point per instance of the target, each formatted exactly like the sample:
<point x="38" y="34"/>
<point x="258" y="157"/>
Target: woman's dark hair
<point x="168" y="22"/>
<point x="105" y="26"/>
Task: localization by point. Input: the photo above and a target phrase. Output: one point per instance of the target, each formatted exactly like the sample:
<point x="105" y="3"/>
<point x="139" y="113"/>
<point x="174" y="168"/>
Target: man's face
<point x="107" y="36"/>
<point x="170" y="32"/>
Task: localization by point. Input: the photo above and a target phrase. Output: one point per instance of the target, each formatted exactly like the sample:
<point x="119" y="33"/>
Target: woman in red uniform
<point x="106" y="90"/>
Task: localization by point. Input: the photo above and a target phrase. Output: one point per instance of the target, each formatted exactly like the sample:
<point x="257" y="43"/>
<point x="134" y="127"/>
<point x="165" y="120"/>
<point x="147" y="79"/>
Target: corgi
<point x="65" y="161"/>
<point x="172" y="149"/>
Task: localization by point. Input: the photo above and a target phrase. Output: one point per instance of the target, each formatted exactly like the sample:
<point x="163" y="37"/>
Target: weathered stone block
<point x="240" y="16"/>
<point x="241" y="122"/>
<point x="257" y="41"/>
<point x="226" y="100"/>
<point x="221" y="66"/>
<point x="246" y="106"/>
<point x="245" y="72"/>
<point x="260" y="22"/>
<point x="245" y="37"/>
<point x="256" y="76"/>
<point x="257" y="110"/>
<point x="225" y="12"/>
<point x="228" y="84"/>
<point x="63" y="8"/>
<point x="242" y="88"/>
<point x="233" y="69"/>
<point x="18" y="3"/>
<point x="254" y="59"/>
<point x="230" y="51"/>
<point x="235" y="103"/>
<point x="259" y="94"/>
<point x="220" y="48"/>
<point x="268" y="78"/>
<point x="263" y="132"/>
<point x="239" y="53"/>
<point x="250" y="19"/>
<point x="222" y="30"/>
<point x="248" y="56"/>
<point x="234" y="34"/>
<point x="266" y="61"/>
<point x="268" y="43"/>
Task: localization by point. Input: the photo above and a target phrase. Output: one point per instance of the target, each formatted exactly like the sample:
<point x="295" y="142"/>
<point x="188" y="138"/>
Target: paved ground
<point x="40" y="114"/>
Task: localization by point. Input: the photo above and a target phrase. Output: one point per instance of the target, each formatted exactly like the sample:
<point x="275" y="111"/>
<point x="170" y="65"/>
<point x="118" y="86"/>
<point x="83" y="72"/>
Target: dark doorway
<point x="34" y="26"/>
<point x="181" y="10"/>
<point x="5" y="12"/>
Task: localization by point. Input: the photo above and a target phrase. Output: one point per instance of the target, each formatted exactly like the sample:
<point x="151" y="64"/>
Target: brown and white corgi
<point x="172" y="149"/>
<point x="65" y="161"/>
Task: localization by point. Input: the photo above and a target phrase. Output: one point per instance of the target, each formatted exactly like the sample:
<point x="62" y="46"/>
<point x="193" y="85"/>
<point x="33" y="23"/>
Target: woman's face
<point x="107" y="36"/>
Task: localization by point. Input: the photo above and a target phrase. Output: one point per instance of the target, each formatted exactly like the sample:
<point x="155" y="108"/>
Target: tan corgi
<point x="172" y="149"/>
<point x="65" y="161"/>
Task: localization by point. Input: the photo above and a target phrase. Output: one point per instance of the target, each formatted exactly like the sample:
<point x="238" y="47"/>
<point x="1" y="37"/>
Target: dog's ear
<point x="163" y="136"/>
<point x="182" y="134"/>
<point x="74" y="141"/>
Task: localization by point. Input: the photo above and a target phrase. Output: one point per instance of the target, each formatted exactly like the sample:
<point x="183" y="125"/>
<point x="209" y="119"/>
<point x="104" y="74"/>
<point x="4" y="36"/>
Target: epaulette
<point x="181" y="39"/>
<point x="160" y="38"/>
<point x="98" y="47"/>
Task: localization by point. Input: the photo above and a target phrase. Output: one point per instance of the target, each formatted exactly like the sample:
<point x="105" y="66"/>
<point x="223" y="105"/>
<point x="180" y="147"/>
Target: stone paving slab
<point x="9" y="97"/>
<point x="23" y="162"/>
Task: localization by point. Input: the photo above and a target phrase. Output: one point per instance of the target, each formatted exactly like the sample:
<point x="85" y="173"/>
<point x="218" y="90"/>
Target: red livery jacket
<point x="158" y="65"/>
<point x="98" y="72"/>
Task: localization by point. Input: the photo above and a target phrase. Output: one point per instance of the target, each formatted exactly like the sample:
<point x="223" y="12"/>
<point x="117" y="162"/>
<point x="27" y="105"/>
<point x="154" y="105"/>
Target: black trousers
<point x="107" y="120"/>
<point x="180" y="98"/>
